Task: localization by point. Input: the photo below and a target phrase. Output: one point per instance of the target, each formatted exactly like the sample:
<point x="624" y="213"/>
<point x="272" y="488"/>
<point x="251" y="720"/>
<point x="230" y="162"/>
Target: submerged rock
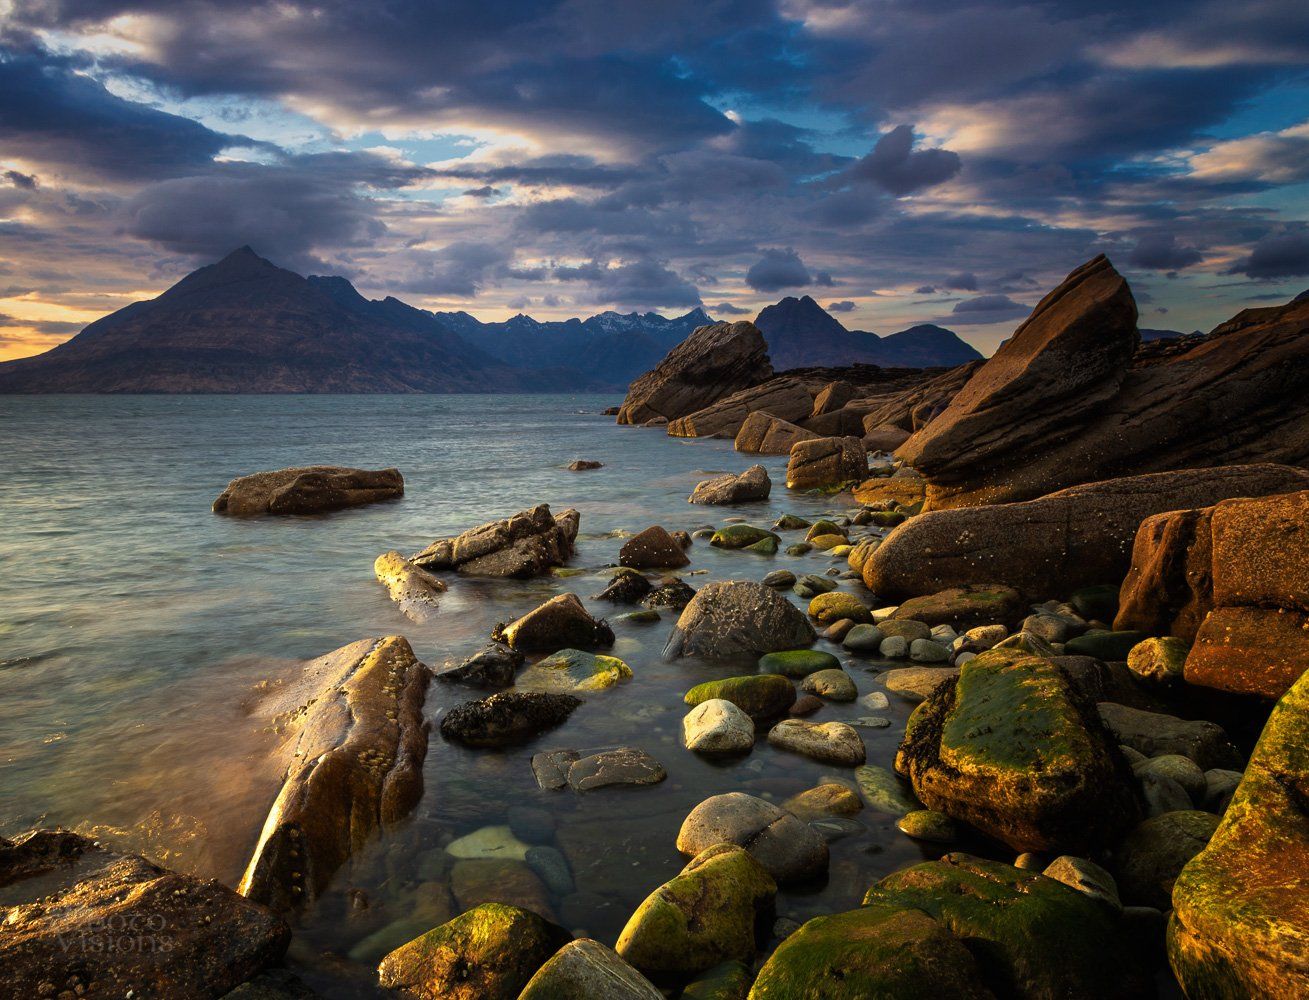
<point x="626" y="766"/>
<point x="488" y="953"/>
<point x="80" y="920"/>
<point x="576" y="670"/>
<point x="738" y="619"/>
<point x="752" y="484"/>
<point x="352" y="756"/>
<point x="414" y="589"/>
<point x="507" y="717"/>
<point x="494" y="666"/>
<point x="314" y="489"/>
<point x="560" y="622"/>
<point x="527" y="544"/>
<point x="789" y="849"/>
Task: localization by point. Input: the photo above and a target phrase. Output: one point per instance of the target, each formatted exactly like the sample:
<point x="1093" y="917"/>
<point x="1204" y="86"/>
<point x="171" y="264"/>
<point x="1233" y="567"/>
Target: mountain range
<point x="244" y="324"/>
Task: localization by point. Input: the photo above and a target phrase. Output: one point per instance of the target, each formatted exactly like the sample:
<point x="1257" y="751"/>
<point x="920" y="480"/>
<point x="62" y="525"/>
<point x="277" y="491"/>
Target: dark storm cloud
<point x="777" y="269"/>
<point x="634" y="283"/>
<point x="895" y="166"/>
<point x="965" y="281"/>
<point x="1285" y="255"/>
<point x="726" y="309"/>
<point x="843" y="306"/>
<point x="459" y="269"/>
<point x="986" y="309"/>
<point x="1163" y="253"/>
<point x="20" y="180"/>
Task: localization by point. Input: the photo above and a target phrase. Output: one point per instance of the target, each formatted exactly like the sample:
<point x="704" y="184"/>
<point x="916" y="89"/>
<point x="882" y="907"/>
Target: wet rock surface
<point x="314" y="489"/>
<point x="527" y="544"/>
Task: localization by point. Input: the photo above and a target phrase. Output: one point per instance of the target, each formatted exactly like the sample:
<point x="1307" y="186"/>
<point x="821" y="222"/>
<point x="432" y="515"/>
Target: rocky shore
<point x="1101" y="623"/>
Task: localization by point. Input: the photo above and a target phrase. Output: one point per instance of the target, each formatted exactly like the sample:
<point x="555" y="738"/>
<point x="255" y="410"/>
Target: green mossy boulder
<point x="826" y="542"/>
<point x="821" y="528"/>
<point x="1159" y="660"/>
<point x="716" y="910"/>
<point x="488" y="953"/>
<point x="837" y="604"/>
<point x="883" y="791"/>
<point x="797" y="662"/>
<point x="575" y="670"/>
<point x="1103" y="645"/>
<point x="765" y="546"/>
<point x="873" y="952"/>
<point x="760" y="696"/>
<point x="1014" y="749"/>
<point x="739" y="536"/>
<point x="729" y="981"/>
<point x="1034" y="938"/>
<point x="587" y="970"/>
<point x="789" y="522"/>
<point x="1240" y="923"/>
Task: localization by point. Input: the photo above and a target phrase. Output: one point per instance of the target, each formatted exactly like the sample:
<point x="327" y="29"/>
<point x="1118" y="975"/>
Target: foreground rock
<point x="714" y="911"/>
<point x="560" y="622"/>
<point x="1065" y="401"/>
<point x="1233" y="581"/>
<point x="653" y="548"/>
<point x="785" y="397"/>
<point x="715" y="361"/>
<point x="752" y="484"/>
<point x="527" y="544"/>
<point x="494" y="666"/>
<point x="587" y="970"/>
<point x="1078" y="537"/>
<point x="352" y="754"/>
<point x="830" y="742"/>
<point x="1240" y="923"/>
<point x="507" y="717"/>
<point x="789" y="849"/>
<point x="760" y="696"/>
<point x="718" y="726"/>
<point x="965" y="607"/>
<point x="766" y="434"/>
<point x="875" y="951"/>
<point x="576" y="670"/>
<point x="825" y="462"/>
<point x="1014" y="749"/>
<point x="314" y="489"/>
<point x="414" y="589"/>
<point x="80" y="920"/>
<point x="1040" y="938"/>
<point x="488" y="953"/>
<point x="738" y="618"/>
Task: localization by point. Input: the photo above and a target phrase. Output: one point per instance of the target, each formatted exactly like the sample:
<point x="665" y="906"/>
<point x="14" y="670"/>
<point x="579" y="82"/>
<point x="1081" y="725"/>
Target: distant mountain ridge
<point x="243" y="324"/>
<point x="801" y="333"/>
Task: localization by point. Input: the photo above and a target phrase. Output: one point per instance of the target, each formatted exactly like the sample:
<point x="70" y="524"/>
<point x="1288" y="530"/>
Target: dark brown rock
<point x="560" y="623"/>
<point x="965" y="607"/>
<point x="1078" y="537"/>
<point x="752" y="484"/>
<point x="715" y="361"/>
<point x="80" y="920"/>
<point x="314" y="489"/>
<point x="764" y="434"/>
<point x="915" y="407"/>
<point x="507" y="717"/>
<point x="653" y="548"/>
<point x="352" y="752"/>
<point x="491" y="667"/>
<point x="785" y="397"/>
<point x="826" y="462"/>
<point x="584" y="465"/>
<point x="738" y="618"/>
<point x="527" y="544"/>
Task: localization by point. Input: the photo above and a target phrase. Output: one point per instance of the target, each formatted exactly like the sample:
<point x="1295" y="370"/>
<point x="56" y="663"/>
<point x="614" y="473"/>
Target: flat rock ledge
<point x="313" y="489"/>
<point x="355" y="740"/>
<point x="527" y="544"/>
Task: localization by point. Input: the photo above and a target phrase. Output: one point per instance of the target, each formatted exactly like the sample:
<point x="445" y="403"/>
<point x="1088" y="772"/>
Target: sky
<point x="902" y="161"/>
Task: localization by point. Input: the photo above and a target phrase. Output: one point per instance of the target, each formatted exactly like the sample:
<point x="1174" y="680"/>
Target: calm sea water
<point x="135" y="626"/>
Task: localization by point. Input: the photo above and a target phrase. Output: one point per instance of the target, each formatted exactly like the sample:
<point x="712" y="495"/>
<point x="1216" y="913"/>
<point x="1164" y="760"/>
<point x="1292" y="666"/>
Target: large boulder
<point x="1078" y="537"/>
<point x="527" y="544"/>
<point x="77" y="919"/>
<point x="587" y="970"/>
<point x="913" y="408"/>
<point x="1035" y="938"/>
<point x="715" y="361"/>
<point x="1154" y="734"/>
<point x="752" y="484"/>
<point x="487" y="953"/>
<point x="1150" y="858"/>
<point x="715" y="911"/>
<point x="763" y="433"/>
<point x="352" y="751"/>
<point x="789" y="849"/>
<point x="1012" y="747"/>
<point x="875" y="951"/>
<point x="561" y="622"/>
<point x="653" y="548"/>
<point x="1069" y="399"/>
<point x="784" y="397"/>
<point x="825" y="462"/>
<point x="738" y="618"/>
<point x="1233" y="580"/>
<point x="1240" y="923"/>
<point x="314" y="489"/>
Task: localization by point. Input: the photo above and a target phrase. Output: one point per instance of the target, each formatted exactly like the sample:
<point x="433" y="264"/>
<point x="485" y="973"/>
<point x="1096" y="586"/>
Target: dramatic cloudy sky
<point x="899" y="160"/>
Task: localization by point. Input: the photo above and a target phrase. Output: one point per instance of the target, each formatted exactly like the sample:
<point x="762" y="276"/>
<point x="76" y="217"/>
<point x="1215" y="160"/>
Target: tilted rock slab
<point x="354" y="745"/>
<point x="785" y="397"/>
<point x="715" y="361"/>
<point x="527" y="544"/>
<point x="314" y="489"/>
<point x="414" y="589"/>
<point x="752" y="484"/>
<point x="1069" y="400"/>
<point x="1049" y="547"/>
<point x="826" y="462"/>
<point x="80" y="920"/>
<point x="766" y="434"/>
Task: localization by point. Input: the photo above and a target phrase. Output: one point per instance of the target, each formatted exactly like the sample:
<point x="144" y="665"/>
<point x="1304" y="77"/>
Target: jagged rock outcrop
<point x="527" y="544"/>
<point x="914" y="408"/>
<point x="352" y="752"/>
<point x="785" y="397"/>
<point x="313" y="489"/>
<point x="1064" y="402"/>
<point x="715" y="361"/>
<point x="1232" y="580"/>
<point x="826" y="462"/>
<point x="78" y="919"/>
<point x="1049" y="547"/>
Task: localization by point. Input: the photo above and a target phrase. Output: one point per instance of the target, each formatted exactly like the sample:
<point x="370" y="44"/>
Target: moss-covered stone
<point x="714" y="911"/>
<point x="883" y="791"/>
<point x="587" y="970"/>
<point x="761" y="696"/>
<point x="859" y="554"/>
<point x="1151" y="857"/>
<point x="487" y="953"/>
<point x="876" y="951"/>
<point x="1240" y="924"/>
<point x="837" y="604"/>
<point x="1034" y="938"/>
<point x="797" y="662"/>
<point x="799" y="549"/>
<point x="826" y="542"/>
<point x="1012" y="748"/>
<point x="1159" y="660"/>
<point x="930" y="825"/>
<point x="827" y="799"/>
<point x="789" y="522"/>
<point x="739" y="536"/>
<point x="1103" y="645"/>
<point x="575" y="670"/>
<point x="728" y="981"/>
<point x="765" y="546"/>
<point x="840" y="550"/>
<point x="824" y="527"/>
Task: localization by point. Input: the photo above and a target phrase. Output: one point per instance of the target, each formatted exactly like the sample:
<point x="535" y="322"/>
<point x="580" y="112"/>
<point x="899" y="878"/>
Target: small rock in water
<point x="805" y="705"/>
<point x="836" y="632"/>
<point x="917" y="683"/>
<point x="626" y="766"/>
<point x="717" y="726"/>
<point x="639" y="617"/>
<point x="493" y="667"/>
<point x="507" y="717"/>
<point x="894" y="647"/>
<point x="929" y="825"/>
<point x="797" y="662"/>
<point x="872" y="722"/>
<point x="488" y="842"/>
<point x="928" y="651"/>
<point x="782" y="578"/>
<point x="552" y="868"/>
<point x="883" y="791"/>
<point x="798" y="549"/>
<point x="789" y="522"/>
<point x="627" y="586"/>
<point x="834" y="684"/>
<point x="863" y="639"/>
<point x="584" y="465"/>
<point x="875" y="701"/>
<point x="531" y="824"/>
<point x="674" y="595"/>
<point x="550" y="768"/>
<point x="811" y="585"/>
<point x="832" y="742"/>
<point x="788" y="848"/>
